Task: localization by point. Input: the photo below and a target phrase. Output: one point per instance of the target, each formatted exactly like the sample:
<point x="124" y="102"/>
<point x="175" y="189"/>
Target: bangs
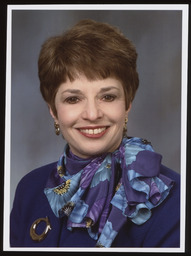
<point x="95" y="50"/>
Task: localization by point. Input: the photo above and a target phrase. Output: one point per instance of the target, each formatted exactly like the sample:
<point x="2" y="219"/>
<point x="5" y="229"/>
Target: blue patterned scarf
<point x="103" y="192"/>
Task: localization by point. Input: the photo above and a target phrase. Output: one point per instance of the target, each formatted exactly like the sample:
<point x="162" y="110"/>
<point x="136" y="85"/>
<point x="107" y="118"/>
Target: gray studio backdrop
<point x="155" y="113"/>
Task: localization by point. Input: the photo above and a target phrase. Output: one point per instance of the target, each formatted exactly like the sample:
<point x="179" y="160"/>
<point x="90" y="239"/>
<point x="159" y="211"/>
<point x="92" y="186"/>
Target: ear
<point x="128" y="110"/>
<point x="52" y="113"/>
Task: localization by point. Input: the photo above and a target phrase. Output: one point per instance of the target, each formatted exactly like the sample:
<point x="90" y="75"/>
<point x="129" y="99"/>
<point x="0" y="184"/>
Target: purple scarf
<point x="103" y="192"/>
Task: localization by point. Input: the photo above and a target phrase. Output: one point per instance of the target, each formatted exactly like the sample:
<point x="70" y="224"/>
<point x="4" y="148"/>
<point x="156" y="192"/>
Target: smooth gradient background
<point x="156" y="110"/>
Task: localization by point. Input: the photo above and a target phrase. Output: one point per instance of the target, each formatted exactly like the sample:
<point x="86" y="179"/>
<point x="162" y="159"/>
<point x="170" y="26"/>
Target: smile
<point x="93" y="132"/>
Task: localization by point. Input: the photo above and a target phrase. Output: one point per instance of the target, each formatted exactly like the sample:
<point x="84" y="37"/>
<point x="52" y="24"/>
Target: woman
<point x="107" y="189"/>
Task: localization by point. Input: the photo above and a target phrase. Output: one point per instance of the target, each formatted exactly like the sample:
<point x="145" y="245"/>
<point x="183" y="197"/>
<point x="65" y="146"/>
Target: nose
<point x="92" y="111"/>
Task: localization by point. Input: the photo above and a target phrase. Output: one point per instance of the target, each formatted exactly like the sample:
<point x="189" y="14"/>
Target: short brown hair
<point x="94" y="49"/>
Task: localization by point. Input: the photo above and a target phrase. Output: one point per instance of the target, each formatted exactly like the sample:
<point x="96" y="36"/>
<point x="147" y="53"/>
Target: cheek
<point x="66" y="117"/>
<point x="117" y="113"/>
<point x="120" y="122"/>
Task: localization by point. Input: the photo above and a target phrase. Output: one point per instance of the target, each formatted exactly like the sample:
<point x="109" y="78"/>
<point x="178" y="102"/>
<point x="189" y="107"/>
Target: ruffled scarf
<point x="103" y="192"/>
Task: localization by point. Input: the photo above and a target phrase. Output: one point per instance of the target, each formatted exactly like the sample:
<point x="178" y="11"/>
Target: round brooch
<point x="39" y="237"/>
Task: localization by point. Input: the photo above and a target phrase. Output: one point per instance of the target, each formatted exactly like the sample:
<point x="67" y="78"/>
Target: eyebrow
<point x="72" y="91"/>
<point x="106" y="89"/>
<point x="76" y="91"/>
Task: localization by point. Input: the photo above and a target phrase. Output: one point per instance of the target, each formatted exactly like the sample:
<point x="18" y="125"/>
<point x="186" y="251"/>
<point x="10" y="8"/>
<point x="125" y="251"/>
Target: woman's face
<point x="91" y="115"/>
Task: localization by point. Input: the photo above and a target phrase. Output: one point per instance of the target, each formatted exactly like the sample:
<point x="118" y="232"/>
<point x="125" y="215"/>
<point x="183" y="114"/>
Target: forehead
<point x="82" y="83"/>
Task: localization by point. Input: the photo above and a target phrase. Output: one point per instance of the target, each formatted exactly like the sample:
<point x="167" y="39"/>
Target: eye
<point x="72" y="100"/>
<point x="109" y="98"/>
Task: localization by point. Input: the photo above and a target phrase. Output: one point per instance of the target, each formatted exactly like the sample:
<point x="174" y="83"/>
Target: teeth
<point x="93" y="131"/>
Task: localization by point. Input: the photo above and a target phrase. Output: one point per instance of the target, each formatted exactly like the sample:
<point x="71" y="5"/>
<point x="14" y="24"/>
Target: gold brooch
<point x="34" y="235"/>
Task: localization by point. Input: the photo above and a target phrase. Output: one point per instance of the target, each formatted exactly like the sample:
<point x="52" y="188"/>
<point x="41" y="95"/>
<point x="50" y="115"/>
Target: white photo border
<point x="184" y="83"/>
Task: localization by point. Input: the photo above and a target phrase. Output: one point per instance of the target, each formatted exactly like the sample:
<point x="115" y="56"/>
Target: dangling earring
<point x="125" y="127"/>
<point x="57" y="128"/>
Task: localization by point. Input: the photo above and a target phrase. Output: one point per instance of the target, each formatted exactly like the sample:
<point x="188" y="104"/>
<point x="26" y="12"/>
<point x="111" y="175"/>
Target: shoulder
<point x="171" y="206"/>
<point x="42" y="171"/>
<point x="168" y="213"/>
<point x="172" y="202"/>
<point x="172" y="175"/>
<point x="36" y="179"/>
<point x="165" y="221"/>
<point x="31" y="187"/>
<point x="163" y="229"/>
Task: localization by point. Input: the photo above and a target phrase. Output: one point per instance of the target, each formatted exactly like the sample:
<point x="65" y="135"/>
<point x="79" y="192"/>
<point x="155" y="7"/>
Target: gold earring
<point x="57" y="128"/>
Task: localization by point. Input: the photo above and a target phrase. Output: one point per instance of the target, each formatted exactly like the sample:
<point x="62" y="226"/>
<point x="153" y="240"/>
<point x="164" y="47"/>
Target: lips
<point x="93" y="132"/>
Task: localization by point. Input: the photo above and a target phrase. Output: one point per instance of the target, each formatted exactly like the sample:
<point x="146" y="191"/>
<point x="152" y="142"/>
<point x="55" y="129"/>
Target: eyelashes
<point x="72" y="100"/>
<point x="76" y="99"/>
<point x="109" y="98"/>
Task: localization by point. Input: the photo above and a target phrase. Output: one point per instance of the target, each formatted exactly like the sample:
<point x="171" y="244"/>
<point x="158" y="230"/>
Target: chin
<point x="96" y="151"/>
<point x="94" y="148"/>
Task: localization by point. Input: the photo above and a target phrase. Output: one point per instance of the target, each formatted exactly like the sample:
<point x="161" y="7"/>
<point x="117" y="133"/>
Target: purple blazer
<point x="161" y="230"/>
